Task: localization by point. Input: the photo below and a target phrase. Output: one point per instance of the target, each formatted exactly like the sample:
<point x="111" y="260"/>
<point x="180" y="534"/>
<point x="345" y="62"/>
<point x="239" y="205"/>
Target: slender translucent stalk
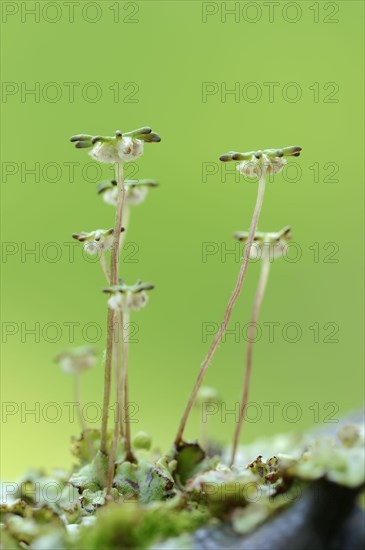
<point x="118" y="223"/>
<point x="104" y="266"/>
<point x="110" y="323"/>
<point x="107" y="364"/>
<point x="120" y="397"/>
<point x="237" y="289"/>
<point x="260" y="291"/>
<point x="77" y="395"/>
<point x="117" y="418"/>
<point x="128" y="446"/>
<point x="107" y="382"/>
<point x="204" y="430"/>
<point x="126" y="216"/>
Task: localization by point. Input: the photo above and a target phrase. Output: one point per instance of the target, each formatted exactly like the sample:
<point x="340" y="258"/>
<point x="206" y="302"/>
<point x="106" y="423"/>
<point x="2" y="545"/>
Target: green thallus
<point x="142" y="440"/>
<point x="117" y="149"/>
<point x="268" y="247"/>
<point x="253" y="164"/>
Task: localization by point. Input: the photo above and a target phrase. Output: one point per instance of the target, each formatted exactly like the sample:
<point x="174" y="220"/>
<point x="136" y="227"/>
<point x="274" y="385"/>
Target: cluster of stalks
<point x="125" y="147"/>
<point x="117" y="150"/>
<point x="257" y="164"/>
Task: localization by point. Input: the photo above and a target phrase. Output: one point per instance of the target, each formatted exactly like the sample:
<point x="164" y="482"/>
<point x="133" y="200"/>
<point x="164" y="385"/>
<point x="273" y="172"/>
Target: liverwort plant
<point x="257" y="164"/>
<point x="122" y="300"/>
<point x="117" y="149"/>
<point x="75" y="361"/>
<point x="135" y="193"/>
<point x="267" y="247"/>
<point x="160" y="501"/>
<point x="97" y="243"/>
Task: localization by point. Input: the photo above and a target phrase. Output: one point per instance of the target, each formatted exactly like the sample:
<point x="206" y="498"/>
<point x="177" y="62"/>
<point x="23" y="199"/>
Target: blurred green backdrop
<point x="297" y="71"/>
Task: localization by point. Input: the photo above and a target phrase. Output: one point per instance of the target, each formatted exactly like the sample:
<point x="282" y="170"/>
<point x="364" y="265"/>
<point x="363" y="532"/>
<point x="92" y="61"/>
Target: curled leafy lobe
<point x="292" y="151"/>
<point x="145" y="134"/>
<point x="123" y="288"/>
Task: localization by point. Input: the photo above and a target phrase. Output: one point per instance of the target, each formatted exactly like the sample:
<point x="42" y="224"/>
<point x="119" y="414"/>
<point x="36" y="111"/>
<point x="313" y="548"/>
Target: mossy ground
<point x="167" y="497"/>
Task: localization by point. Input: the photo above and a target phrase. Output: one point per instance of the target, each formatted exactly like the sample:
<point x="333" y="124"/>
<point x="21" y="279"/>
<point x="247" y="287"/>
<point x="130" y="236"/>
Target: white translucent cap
<point x="255" y="167"/>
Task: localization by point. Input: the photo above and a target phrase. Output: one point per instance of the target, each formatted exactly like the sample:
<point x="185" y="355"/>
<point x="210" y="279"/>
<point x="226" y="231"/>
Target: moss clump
<point x="133" y="526"/>
<point x="164" y="498"/>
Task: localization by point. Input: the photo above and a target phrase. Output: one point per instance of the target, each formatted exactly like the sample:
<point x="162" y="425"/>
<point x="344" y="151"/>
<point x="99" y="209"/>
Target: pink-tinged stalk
<point x="261" y="287"/>
<point x="227" y="315"/>
<point x="114" y="261"/>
